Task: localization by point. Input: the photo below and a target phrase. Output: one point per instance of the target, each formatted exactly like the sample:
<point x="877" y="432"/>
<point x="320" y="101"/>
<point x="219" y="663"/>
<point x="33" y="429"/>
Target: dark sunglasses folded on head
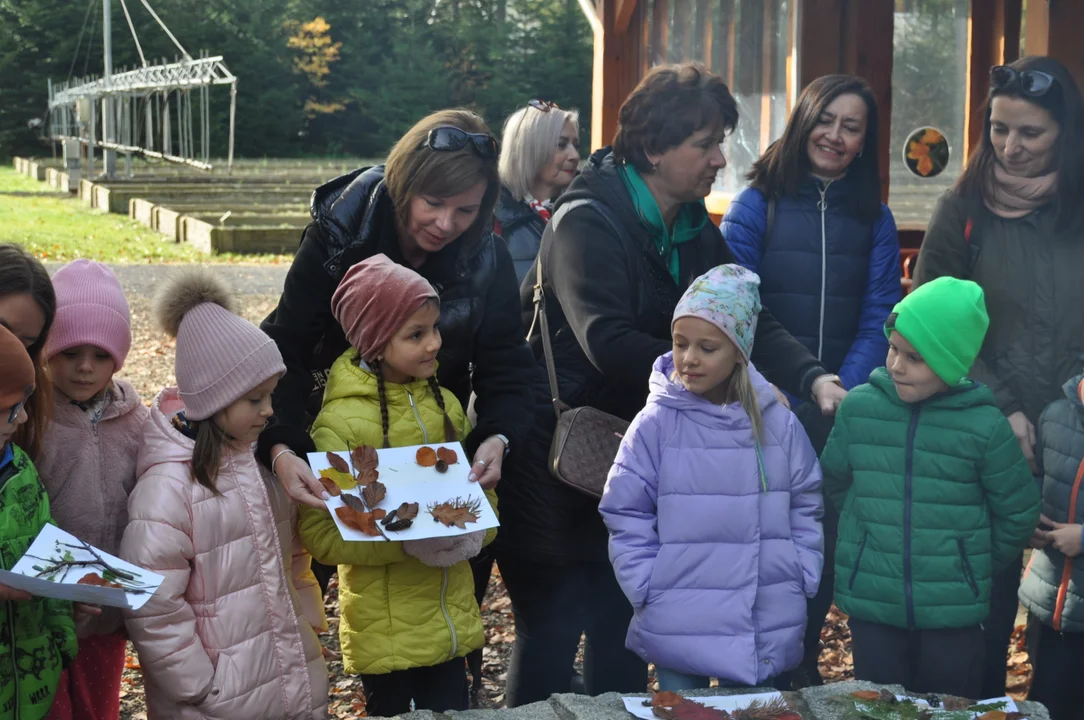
<point x="13" y="413"/>
<point x="543" y="105"/>
<point x="449" y="138"/>
<point x="1033" y="83"/>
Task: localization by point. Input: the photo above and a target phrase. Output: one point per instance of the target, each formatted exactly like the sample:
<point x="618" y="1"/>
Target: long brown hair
<point x="413" y="169"/>
<point x="785" y="165"/>
<point x="1065" y="104"/>
<point x="450" y="435"/>
<point x="211" y="440"/>
<point x="22" y="274"/>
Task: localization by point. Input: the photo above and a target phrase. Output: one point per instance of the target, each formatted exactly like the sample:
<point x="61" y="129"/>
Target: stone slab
<point x="823" y="707"/>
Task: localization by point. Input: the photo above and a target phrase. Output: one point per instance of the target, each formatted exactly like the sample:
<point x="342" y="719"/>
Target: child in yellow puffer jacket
<point x="408" y="612"/>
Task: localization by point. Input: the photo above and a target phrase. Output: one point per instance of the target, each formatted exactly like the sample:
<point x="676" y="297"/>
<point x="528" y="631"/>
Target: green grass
<point x="56" y="227"/>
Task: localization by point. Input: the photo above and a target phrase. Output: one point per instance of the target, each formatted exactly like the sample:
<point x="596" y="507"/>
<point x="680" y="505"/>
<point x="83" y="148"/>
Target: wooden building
<point x="927" y="61"/>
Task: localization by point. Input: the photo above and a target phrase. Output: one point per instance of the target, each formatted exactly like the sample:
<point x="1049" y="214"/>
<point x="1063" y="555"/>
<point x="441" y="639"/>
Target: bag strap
<point x="540" y="316"/>
<point x="769" y="226"/>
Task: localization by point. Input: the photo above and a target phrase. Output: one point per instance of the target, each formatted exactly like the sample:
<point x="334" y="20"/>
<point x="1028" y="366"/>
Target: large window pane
<point x="929" y="89"/>
<point x="750" y="44"/>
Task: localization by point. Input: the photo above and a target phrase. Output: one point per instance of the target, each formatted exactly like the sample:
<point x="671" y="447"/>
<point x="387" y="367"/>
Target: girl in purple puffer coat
<point x="713" y="504"/>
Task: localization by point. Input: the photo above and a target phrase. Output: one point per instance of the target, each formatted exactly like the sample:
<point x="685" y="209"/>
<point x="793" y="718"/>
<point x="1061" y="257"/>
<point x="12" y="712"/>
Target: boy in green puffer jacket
<point x="934" y="497"/>
<point x="37" y="636"/>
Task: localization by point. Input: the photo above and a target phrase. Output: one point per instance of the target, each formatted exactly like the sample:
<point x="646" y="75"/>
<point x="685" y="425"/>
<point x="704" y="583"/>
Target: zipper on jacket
<point x="444" y="609"/>
<point x="907" y="483"/>
<point x="417" y="416"/>
<point x="858" y="560"/>
<point x="822" y="205"/>
<point x="1067" y="570"/>
<point x="969" y="575"/>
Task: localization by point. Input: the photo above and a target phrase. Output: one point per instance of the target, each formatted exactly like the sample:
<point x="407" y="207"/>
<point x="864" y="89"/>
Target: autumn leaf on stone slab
<point x="426" y="456"/>
<point x="373" y="493"/>
<point x="364" y="458"/>
<point x="866" y="695"/>
<point x="665" y="698"/>
<point x="456" y="512"/>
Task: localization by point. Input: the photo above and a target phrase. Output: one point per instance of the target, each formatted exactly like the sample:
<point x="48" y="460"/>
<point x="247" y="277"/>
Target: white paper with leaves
<point x="408" y="482"/>
<point x="730" y="703"/>
<point x="46" y="570"/>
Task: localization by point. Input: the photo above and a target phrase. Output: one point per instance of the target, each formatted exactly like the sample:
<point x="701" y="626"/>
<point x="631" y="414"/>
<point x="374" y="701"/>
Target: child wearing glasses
<point x="88" y="462"/>
<point x="39" y="634"/>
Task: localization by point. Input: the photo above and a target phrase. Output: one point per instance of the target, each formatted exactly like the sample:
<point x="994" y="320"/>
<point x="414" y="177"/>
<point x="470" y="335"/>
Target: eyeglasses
<point x="543" y="105"/>
<point x="17" y="408"/>
<point x="449" y="138"/>
<point x="1033" y="83"/>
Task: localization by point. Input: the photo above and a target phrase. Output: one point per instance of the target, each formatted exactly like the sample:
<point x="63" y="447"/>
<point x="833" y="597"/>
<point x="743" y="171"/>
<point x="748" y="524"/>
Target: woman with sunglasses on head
<point x="812" y="225"/>
<point x="627" y="237"/>
<point x="429" y="208"/>
<point x="540" y="155"/>
<point x="1014" y="223"/>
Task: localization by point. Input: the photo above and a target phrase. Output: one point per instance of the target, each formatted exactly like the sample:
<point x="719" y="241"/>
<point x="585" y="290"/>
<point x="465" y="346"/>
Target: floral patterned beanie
<point x="728" y="297"/>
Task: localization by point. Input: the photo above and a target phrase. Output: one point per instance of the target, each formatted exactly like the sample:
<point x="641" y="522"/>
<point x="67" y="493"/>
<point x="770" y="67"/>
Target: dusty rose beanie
<point x="374" y="299"/>
<point x="90" y="310"/>
<point x="220" y="356"/>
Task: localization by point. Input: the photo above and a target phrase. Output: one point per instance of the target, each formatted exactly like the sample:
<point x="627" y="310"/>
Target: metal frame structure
<point x="133" y="111"/>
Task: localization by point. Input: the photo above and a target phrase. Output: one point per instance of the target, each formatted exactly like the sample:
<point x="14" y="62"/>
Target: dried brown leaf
<point x="354" y="502"/>
<point x="330" y="486"/>
<point x="426" y="456"/>
<point x="364" y="458"/>
<point x="456" y="512"/>
<point x="367" y="476"/>
<point x="407" y="511"/>
<point x="338" y="463"/>
<point x="447" y="455"/>
<point x="373" y="493"/>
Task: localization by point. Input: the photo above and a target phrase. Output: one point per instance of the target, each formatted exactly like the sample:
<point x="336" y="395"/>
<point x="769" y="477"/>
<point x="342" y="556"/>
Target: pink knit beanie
<point x="375" y="298"/>
<point x="220" y="356"/>
<point x="90" y="310"/>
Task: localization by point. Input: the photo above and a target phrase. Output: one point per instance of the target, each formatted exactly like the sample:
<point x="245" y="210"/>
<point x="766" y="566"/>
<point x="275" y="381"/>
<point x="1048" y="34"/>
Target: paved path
<point x="244" y="279"/>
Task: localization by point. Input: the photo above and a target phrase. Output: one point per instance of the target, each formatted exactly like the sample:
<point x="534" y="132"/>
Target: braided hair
<point x="375" y="366"/>
<point x="450" y="435"/>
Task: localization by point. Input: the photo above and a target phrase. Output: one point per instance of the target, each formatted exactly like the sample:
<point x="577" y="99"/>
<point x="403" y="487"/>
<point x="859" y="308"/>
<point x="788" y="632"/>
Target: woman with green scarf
<point x="626" y="239"/>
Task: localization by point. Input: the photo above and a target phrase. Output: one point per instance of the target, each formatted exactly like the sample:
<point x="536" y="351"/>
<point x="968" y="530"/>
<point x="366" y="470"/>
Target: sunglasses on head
<point x="1033" y="83"/>
<point x="543" y="105"/>
<point x="448" y="138"/>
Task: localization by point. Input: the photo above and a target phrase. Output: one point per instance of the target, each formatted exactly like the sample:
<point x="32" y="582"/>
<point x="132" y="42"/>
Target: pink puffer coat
<point x="230" y="632"/>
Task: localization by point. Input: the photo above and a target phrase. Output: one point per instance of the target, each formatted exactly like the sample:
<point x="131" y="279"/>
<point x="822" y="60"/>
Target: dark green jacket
<point x="37" y="637"/>
<point x="1030" y="273"/>
<point x="1053" y="588"/>
<point x="934" y="497"/>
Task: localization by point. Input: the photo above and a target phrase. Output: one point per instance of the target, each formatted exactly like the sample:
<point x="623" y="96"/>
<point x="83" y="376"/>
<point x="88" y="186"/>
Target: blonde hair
<point x="739" y="389"/>
<point x="528" y="144"/>
<point x="413" y="169"/>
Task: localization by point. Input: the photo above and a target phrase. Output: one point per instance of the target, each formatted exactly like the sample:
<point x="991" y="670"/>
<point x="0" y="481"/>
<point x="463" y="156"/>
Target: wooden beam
<point x="616" y="69"/>
<point x="993" y="39"/>
<point x="1064" y="44"/>
<point x="820" y="38"/>
<point x="767" y="47"/>
<point x="873" y="25"/>
<point x="623" y="14"/>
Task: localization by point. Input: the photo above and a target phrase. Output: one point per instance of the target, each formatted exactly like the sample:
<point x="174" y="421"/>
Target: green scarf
<point x="687" y="226"/>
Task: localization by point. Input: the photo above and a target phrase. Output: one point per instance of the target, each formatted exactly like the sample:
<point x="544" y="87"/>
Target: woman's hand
<point x="486" y="470"/>
<point x="1040" y="537"/>
<point x="829" y="393"/>
<point x="297" y="478"/>
<point x="10" y="593"/>
<point x="1067" y="538"/>
<point x="1025" y="435"/>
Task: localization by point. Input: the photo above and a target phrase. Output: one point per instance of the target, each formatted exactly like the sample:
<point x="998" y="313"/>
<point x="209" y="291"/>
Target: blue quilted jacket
<point x="828" y="276"/>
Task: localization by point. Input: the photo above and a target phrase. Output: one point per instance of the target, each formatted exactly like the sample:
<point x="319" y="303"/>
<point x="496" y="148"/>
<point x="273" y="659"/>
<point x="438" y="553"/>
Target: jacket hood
<point x="163" y="443"/>
<point x="966" y="394"/>
<point x="672" y="394"/>
<point x="511" y="212"/>
<point x="125" y="400"/>
<point x="1074" y="390"/>
<point x="348" y="380"/>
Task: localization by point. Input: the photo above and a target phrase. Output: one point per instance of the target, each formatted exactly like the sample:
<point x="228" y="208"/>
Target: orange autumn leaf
<point x="665" y="698"/>
<point x="361" y="521"/>
<point x="447" y="455"/>
<point x="96" y="579"/>
<point x="932" y="137"/>
<point x="330" y="486"/>
<point x="456" y="512"/>
<point x="866" y="695"/>
<point x="426" y="456"/>
<point x="920" y="152"/>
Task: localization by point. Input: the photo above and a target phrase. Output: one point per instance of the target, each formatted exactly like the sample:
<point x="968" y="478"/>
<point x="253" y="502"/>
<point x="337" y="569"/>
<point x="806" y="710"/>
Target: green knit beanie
<point x="946" y="321"/>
